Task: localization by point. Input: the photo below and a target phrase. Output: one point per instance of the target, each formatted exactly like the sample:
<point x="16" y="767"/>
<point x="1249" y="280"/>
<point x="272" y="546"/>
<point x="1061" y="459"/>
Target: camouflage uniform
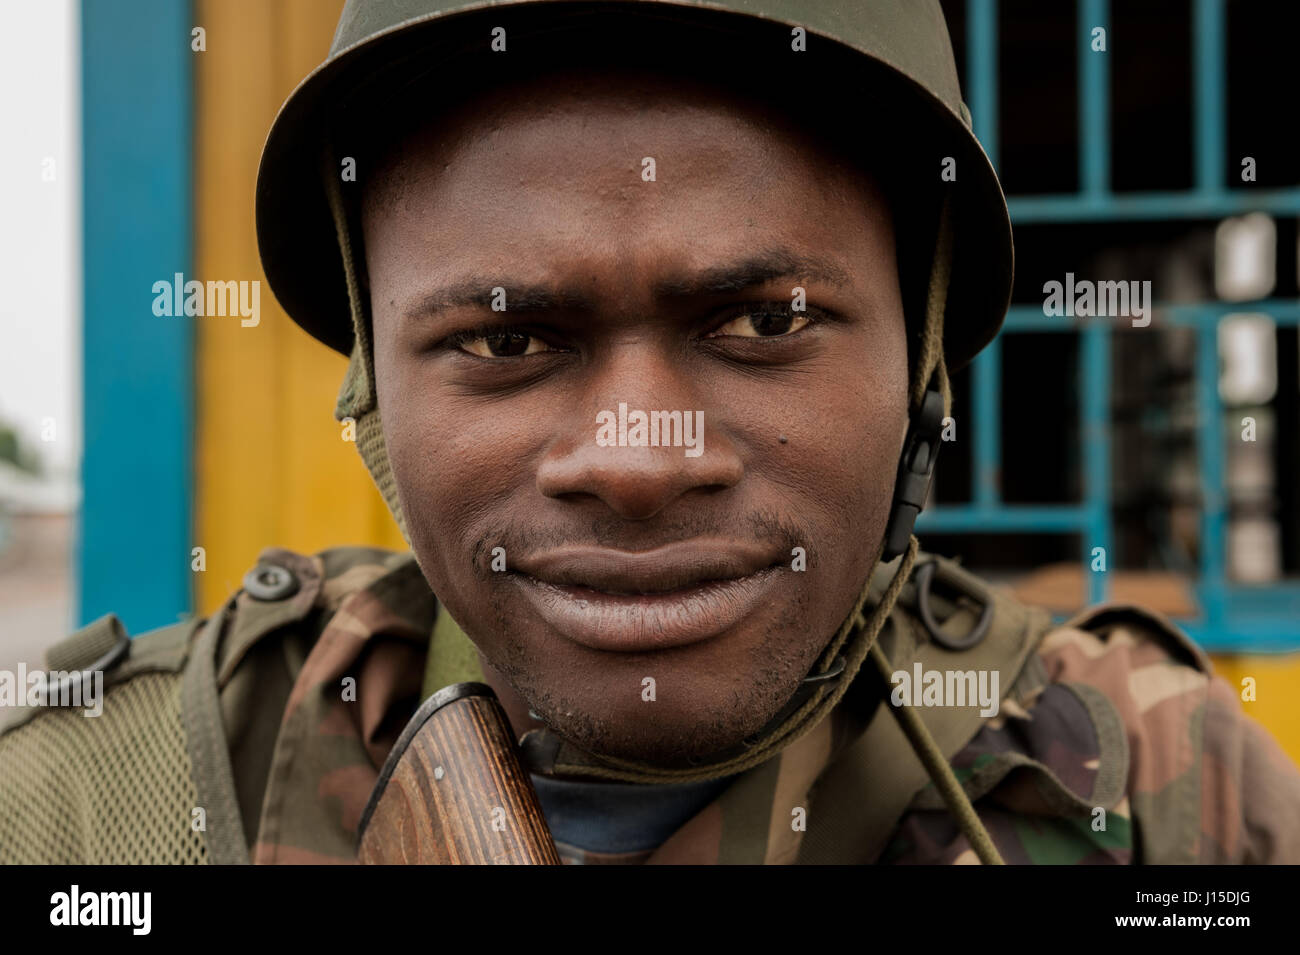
<point x="1115" y="710"/>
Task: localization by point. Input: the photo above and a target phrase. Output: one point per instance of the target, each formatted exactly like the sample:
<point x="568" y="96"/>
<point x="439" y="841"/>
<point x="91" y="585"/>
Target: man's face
<point x="628" y="563"/>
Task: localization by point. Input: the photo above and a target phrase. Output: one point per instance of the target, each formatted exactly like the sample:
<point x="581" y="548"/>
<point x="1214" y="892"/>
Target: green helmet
<point x="883" y="50"/>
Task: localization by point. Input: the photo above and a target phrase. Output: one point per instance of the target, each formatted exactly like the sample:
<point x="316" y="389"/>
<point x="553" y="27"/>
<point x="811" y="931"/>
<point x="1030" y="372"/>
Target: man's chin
<point x="680" y="739"/>
<point x="678" y="708"/>
<point x="687" y="751"/>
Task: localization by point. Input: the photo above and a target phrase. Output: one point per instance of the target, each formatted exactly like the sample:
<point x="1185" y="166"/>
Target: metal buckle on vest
<point x="832" y="672"/>
<point x="924" y="576"/>
<point x="807" y="687"/>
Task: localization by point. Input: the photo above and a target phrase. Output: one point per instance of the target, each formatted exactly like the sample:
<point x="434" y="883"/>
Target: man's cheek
<point x="426" y="486"/>
<point x="451" y="504"/>
<point x="432" y="462"/>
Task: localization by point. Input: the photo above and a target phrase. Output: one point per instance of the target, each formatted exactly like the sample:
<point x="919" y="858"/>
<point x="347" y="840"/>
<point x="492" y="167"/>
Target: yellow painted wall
<point x="1277" y="693"/>
<point x="271" y="468"/>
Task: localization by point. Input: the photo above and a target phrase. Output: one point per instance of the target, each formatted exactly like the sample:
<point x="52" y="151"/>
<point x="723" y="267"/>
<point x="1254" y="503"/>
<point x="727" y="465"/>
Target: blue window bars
<point x="1233" y="618"/>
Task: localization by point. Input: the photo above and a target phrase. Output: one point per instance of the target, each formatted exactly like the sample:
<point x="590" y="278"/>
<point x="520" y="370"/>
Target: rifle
<point x="453" y="792"/>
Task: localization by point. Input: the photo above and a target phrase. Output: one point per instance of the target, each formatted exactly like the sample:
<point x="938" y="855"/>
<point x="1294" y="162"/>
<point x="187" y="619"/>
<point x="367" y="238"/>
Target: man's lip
<point x="673" y="567"/>
<point x="638" y="601"/>
<point x="638" y="623"/>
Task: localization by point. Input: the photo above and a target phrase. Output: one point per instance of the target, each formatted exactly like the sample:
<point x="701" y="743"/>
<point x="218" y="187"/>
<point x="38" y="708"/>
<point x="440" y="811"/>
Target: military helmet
<point x="869" y="51"/>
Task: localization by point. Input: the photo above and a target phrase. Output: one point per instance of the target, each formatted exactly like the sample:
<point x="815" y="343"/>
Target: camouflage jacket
<point x="258" y="734"/>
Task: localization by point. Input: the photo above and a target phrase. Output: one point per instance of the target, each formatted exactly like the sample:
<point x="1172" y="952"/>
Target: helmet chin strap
<point x="915" y="470"/>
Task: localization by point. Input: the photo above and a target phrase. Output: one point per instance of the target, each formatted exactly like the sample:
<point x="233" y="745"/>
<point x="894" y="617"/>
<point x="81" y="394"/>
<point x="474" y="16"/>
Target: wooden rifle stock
<point x="453" y="792"/>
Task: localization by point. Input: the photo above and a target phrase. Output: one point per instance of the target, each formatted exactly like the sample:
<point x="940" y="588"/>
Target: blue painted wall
<point x="133" y="554"/>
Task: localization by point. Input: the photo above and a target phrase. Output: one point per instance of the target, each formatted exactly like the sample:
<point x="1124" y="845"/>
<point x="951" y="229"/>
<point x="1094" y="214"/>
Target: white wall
<point x="40" y="227"/>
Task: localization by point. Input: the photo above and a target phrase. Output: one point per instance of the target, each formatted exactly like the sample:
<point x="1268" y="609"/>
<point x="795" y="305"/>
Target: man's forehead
<point x="713" y="192"/>
<point x="540" y="190"/>
<point x="511" y="125"/>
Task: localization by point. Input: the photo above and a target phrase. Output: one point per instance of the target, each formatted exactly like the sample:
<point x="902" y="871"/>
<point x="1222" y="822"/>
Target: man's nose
<point x="634" y="480"/>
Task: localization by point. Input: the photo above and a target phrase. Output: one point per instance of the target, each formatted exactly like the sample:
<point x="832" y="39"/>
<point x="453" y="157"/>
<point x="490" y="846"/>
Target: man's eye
<point x="504" y="343"/>
<point x="764" y="323"/>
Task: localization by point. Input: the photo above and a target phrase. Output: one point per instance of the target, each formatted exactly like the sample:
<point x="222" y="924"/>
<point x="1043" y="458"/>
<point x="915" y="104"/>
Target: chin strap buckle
<point x="915" y="470"/>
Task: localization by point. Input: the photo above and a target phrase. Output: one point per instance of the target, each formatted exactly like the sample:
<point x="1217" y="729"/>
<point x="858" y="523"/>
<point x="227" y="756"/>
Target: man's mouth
<point x="634" y="601"/>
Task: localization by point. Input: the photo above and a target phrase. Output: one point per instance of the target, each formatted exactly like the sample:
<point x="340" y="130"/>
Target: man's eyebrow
<point x="753" y="270"/>
<point x="731" y="277"/>
<point x="481" y="293"/>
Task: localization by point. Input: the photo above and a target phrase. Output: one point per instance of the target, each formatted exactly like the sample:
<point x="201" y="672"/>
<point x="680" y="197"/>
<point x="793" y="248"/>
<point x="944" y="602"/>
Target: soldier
<point x="652" y="214"/>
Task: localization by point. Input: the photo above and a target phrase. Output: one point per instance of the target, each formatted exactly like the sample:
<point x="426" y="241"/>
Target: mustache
<point x="619" y="534"/>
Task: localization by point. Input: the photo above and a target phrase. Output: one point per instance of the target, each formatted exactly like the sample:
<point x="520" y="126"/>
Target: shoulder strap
<point x="862" y="795"/>
<point x="97" y="646"/>
<point x="103" y="645"/>
<point x="205" y="741"/>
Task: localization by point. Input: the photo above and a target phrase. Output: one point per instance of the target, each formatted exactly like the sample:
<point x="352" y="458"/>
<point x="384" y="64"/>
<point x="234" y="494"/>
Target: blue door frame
<point x="134" y="530"/>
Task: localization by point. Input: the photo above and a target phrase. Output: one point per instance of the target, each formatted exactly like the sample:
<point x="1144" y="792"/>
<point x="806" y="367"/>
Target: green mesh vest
<point x="118" y="788"/>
